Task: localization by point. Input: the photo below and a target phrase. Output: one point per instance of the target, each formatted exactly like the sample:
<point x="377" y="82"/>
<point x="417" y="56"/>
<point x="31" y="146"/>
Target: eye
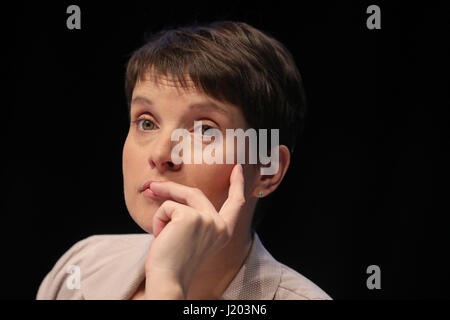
<point x="206" y="128"/>
<point x="145" y="124"/>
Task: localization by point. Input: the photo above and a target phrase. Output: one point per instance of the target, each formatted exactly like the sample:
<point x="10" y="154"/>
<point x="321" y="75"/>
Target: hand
<point x="188" y="230"/>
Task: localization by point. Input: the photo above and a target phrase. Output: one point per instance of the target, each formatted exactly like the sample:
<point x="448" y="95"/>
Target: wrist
<point x="160" y="286"/>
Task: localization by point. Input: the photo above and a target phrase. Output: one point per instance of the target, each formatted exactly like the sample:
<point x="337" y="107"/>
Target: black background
<point x="368" y="184"/>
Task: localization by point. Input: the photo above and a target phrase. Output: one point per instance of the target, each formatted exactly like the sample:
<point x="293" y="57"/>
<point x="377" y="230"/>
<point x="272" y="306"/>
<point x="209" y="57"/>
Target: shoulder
<point x="265" y="278"/>
<point x="294" y="286"/>
<point x="89" y="255"/>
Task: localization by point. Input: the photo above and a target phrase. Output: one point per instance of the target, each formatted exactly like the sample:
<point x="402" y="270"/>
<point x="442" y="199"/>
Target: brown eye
<point x="146" y="124"/>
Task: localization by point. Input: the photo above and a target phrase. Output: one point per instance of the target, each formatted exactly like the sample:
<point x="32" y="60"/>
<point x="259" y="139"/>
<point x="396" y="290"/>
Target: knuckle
<point x="194" y="215"/>
<point x="190" y="216"/>
<point x="223" y="231"/>
<point x="166" y="204"/>
<point x="192" y="192"/>
<point x="221" y="227"/>
<point x="240" y="200"/>
<point x="208" y="221"/>
<point x="198" y="191"/>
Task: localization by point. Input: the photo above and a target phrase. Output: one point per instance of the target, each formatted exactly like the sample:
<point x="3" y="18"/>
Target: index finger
<point x="236" y="196"/>
<point x="182" y="194"/>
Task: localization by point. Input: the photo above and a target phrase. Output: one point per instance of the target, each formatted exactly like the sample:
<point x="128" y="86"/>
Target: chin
<point x="143" y="217"/>
<point x="145" y="224"/>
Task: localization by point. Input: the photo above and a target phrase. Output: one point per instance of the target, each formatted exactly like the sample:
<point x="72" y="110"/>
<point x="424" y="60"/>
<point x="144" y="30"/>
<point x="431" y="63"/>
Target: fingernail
<point x="152" y="183"/>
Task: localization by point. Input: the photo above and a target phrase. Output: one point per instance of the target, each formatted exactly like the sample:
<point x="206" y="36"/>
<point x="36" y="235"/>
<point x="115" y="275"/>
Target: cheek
<point x="131" y="158"/>
<point x="130" y="168"/>
<point x="213" y="180"/>
<point x="126" y="161"/>
<point x="125" y="170"/>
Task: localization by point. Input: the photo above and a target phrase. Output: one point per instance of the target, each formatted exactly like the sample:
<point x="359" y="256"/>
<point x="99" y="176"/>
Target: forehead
<point x="167" y="87"/>
<point x="163" y="90"/>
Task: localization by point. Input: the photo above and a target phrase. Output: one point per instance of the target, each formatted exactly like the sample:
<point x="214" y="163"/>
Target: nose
<point x="160" y="154"/>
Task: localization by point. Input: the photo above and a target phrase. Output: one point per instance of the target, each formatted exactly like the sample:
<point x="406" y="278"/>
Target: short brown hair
<point x="232" y="62"/>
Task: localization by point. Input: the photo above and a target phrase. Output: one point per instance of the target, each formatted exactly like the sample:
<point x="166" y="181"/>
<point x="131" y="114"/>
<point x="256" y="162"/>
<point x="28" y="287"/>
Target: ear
<point x="266" y="184"/>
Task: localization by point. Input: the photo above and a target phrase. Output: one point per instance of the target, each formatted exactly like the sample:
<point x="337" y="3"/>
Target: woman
<point x="197" y="215"/>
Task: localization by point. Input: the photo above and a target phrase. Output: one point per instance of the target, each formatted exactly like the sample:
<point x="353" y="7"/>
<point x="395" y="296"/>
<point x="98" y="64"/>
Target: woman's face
<point x="156" y="111"/>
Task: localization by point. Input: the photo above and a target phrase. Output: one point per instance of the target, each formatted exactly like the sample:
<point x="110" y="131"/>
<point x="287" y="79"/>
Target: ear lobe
<point x="268" y="183"/>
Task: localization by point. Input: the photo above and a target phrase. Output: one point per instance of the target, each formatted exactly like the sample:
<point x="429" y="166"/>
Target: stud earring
<point x="260" y="194"/>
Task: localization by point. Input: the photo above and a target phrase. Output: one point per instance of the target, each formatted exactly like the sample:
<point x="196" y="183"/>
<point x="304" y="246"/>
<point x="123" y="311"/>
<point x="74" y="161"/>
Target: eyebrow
<point x="197" y="105"/>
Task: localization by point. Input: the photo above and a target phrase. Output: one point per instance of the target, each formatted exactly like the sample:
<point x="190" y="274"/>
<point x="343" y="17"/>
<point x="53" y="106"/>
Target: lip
<point x="149" y="194"/>
<point x="145" y="190"/>
<point x="145" y="186"/>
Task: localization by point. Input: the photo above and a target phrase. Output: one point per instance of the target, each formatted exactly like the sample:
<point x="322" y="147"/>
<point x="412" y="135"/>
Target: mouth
<point x="145" y="186"/>
<point x="145" y="190"/>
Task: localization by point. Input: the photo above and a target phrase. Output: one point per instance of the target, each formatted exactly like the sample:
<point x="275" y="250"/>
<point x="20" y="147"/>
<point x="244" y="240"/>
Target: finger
<point x="166" y="213"/>
<point x="236" y="197"/>
<point x="194" y="198"/>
